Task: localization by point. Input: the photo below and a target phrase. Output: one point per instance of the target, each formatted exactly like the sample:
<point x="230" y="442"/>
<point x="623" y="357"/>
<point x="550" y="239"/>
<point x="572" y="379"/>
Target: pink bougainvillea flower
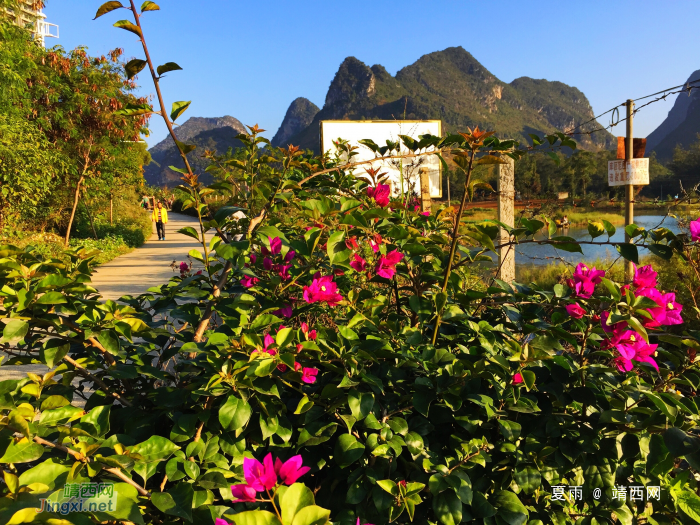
<point x="575" y="310"/>
<point x="644" y="277"/>
<point x="285" y="311"/>
<point x="241" y="493"/>
<point x="260" y="476"/>
<point x="308" y="375"/>
<point x="312" y="335"/>
<point x="300" y="347"/>
<point x="249" y="282"/>
<point x="291" y="470"/>
<point x="425" y="214"/>
<point x="253" y="258"/>
<point x="351" y="243"/>
<point x="668" y="311"/>
<point x="380" y="194"/>
<point x="304" y="328"/>
<point x="358" y="263"/>
<point x="695" y="230"/>
<point x="219" y="521"/>
<point x="283" y="271"/>
<point x="644" y="352"/>
<point x="297" y="366"/>
<point x="631" y="346"/>
<point x="322" y="290"/>
<point x="387" y="264"/>
<point x="358" y="522"/>
<point x="268" y="340"/>
<point x="584" y="280"/>
<point x="517" y="378"/>
<point x="290" y="256"/>
<point x="184" y="267"/>
<point x="267" y="263"/>
<point x="275" y="245"/>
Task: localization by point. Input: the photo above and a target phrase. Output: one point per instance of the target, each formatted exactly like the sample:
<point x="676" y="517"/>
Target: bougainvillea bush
<point x="330" y="357"/>
<point x="330" y="350"/>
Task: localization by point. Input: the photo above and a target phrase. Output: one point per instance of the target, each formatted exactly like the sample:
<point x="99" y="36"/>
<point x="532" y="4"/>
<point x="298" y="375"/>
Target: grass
<point x="674" y="276"/>
<point x="132" y="226"/>
<point x="582" y="217"/>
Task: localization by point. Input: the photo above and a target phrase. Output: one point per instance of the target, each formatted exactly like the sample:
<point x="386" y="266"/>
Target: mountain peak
<point x="353" y="80"/>
<point x="299" y="115"/>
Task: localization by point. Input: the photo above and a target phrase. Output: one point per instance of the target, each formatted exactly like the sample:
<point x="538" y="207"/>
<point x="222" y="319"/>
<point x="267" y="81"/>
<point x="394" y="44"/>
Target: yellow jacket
<point x="164" y="214"/>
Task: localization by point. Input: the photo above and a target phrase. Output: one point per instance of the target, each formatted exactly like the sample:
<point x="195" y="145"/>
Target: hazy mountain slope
<point x="217" y="134"/>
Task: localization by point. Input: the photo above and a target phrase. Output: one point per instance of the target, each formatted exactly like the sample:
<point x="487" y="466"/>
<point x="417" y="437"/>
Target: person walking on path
<point x="160" y="217"/>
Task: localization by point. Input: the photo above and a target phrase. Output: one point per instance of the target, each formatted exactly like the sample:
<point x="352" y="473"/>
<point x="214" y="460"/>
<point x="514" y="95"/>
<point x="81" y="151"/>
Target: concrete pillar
<point x="425" y="200"/>
<point x="506" y="214"/>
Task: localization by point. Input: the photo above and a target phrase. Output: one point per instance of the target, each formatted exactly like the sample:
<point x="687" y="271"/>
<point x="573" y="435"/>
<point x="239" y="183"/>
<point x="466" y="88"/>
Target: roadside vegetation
<point x="68" y="149"/>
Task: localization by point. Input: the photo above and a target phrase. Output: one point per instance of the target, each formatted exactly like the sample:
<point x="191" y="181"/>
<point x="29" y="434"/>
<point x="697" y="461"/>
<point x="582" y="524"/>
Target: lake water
<point x="528" y="254"/>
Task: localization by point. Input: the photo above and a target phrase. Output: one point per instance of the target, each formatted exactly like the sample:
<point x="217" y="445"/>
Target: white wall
<point x="380" y="132"/>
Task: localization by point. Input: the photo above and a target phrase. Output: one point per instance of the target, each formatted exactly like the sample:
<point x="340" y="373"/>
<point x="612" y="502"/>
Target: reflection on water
<point x="527" y="254"/>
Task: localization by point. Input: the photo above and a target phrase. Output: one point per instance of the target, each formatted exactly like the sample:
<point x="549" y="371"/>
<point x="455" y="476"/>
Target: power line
<point x="688" y="86"/>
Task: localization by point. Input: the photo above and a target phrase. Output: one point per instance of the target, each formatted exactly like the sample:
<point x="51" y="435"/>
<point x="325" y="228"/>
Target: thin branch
<point x="86" y="374"/>
<point x="80" y="457"/>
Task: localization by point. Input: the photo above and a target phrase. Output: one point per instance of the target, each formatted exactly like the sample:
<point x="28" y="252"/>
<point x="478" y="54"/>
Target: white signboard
<point x="380" y="132"/>
<point x="623" y="173"/>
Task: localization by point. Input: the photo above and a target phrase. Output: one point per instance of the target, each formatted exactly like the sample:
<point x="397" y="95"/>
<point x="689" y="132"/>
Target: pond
<point x="529" y="254"/>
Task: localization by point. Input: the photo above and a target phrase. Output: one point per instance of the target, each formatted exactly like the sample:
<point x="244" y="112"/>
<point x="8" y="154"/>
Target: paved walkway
<point x="148" y="265"/>
<point x="133" y="273"/>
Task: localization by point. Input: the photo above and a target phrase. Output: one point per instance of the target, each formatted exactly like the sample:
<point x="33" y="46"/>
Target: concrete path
<point x="133" y="274"/>
<point x="148" y="265"/>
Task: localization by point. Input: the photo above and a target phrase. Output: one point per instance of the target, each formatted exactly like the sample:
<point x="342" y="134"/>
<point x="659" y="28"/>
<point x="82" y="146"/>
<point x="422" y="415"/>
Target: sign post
<point x="630" y="172"/>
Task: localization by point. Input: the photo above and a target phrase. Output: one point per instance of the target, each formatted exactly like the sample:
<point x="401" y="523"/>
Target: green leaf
<point x="167" y="67"/>
<point x="295" y="498"/>
<point x="284" y="337"/>
<point x="347" y="450"/>
<point x="528" y="378"/>
<point x="596" y="229"/>
<point x="679" y="443"/>
<point x="337" y="252"/>
<point x="176" y="502"/>
<point x="50" y="473"/>
<point x="529" y="479"/>
<point x="510" y="429"/>
<point x="14" y="331"/>
<point x="414" y="442"/>
<point x="629" y="252"/>
<point x="97" y="418"/>
<point x="107" y="7"/>
<point x="235" y="413"/>
<point x="185" y="148"/>
<point x="179" y="108"/>
<point x="254" y="517"/>
<point x="661" y="250"/>
<point x="131" y="110"/>
<point x="189" y="231"/>
<point x="509" y="508"/>
<point x="125" y="24"/>
<point x="360" y="404"/>
<point x="448" y="508"/>
<point x="149" y="6"/>
<point x="22" y="452"/>
<point x="609" y="228"/>
<point x="53" y="352"/>
<point x="134" y="67"/>
<point x="155" y="448"/>
<point x="481" y="507"/>
<point x="689" y="502"/>
<point x="311" y="515"/>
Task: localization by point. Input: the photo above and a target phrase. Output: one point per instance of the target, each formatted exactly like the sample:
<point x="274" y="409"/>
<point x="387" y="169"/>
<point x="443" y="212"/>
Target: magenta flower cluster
<point x="380" y="194"/>
<point x="629" y="345"/>
<point x="308" y="375"/>
<point x="264" y="477"/>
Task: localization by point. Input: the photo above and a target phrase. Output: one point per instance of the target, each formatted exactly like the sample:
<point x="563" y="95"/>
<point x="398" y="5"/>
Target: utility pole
<point x="629" y="188"/>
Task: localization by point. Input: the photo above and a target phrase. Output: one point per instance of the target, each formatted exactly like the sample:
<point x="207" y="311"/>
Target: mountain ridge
<point x="451" y="85"/>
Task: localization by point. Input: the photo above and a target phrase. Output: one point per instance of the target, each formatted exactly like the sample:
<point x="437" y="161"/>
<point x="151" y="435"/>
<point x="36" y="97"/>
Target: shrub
<point x="340" y="334"/>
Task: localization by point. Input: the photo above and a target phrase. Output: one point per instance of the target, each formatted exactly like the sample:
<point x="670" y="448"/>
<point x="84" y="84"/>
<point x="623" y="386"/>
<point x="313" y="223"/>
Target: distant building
<point x="562" y="195"/>
<point x="29" y="14"/>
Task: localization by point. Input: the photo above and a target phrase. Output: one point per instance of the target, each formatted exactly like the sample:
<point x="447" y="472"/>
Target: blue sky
<point x="251" y="59"/>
